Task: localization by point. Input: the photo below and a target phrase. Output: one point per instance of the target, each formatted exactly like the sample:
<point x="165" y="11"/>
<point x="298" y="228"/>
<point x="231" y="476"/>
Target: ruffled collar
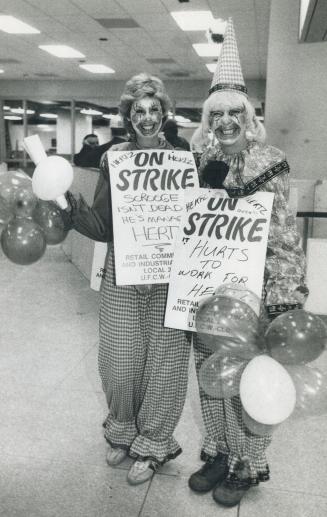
<point x="229" y="158"/>
<point x="235" y="163"/>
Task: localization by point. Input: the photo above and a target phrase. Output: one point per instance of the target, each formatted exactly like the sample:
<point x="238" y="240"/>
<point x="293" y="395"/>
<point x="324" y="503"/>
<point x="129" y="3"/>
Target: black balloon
<point x="48" y="215"/>
<point x="23" y="241"/>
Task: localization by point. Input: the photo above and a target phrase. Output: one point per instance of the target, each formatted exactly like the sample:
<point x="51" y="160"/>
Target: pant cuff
<point x="158" y="451"/>
<point x="120" y="434"/>
<point x="212" y="447"/>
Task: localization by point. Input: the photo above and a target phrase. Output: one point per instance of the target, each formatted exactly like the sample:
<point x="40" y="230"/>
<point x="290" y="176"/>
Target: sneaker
<point x="212" y="472"/>
<point x="115" y="456"/>
<point x="141" y="471"/>
<point x="229" y="493"/>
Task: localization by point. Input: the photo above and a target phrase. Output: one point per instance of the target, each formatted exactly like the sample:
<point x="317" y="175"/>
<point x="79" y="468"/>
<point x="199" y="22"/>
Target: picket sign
<point x="221" y="240"/>
<point x="147" y="191"/>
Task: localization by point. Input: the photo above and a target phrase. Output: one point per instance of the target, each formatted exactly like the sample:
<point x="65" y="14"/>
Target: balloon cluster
<point x="32" y="220"/>
<point x="28" y="224"/>
<point x="269" y="369"/>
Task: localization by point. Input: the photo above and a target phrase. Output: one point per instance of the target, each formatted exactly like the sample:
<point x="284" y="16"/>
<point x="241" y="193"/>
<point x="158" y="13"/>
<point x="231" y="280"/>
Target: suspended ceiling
<point x="151" y="42"/>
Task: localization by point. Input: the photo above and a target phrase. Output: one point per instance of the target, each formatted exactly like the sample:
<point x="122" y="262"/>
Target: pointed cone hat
<point x="228" y="74"/>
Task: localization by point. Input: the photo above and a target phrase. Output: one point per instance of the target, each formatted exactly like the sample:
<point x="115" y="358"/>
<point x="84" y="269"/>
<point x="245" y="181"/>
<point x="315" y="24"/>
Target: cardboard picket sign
<point x="221" y="240"/>
<point x="147" y="191"/>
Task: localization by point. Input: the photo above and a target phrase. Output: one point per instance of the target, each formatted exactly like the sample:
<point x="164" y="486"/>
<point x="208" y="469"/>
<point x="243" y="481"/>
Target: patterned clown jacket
<point x="264" y="168"/>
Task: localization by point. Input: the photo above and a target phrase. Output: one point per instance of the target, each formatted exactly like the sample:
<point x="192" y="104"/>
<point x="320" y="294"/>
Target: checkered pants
<point x="143" y="368"/>
<point x="226" y="432"/>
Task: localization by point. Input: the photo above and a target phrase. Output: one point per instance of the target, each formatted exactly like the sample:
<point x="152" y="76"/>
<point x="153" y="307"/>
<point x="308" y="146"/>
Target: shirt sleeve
<point x="285" y="267"/>
<point x="94" y="222"/>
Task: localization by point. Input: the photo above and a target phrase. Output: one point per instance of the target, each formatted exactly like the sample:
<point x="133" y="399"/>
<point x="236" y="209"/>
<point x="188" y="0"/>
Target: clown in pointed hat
<point x="228" y="74"/>
<point x="243" y="164"/>
<point x="228" y="85"/>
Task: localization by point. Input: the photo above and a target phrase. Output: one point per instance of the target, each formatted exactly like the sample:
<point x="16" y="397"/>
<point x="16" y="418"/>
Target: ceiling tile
<point x="154" y="22"/>
<point x="127" y="50"/>
<point x="101" y="8"/>
<point x="194" y="5"/>
<point x="8" y="60"/>
<point x="76" y="23"/>
<point x="54" y="8"/>
<point x="142" y="6"/>
<point x="21" y="9"/>
<point x="117" y="23"/>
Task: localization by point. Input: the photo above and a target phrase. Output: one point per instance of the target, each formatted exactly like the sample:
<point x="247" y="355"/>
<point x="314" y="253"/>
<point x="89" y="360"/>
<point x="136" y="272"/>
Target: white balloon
<point x="267" y="391"/>
<point x="52" y="177"/>
<point x="255" y="427"/>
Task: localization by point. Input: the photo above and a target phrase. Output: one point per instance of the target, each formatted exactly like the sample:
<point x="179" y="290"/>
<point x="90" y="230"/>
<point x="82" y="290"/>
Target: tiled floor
<point x="52" y="451"/>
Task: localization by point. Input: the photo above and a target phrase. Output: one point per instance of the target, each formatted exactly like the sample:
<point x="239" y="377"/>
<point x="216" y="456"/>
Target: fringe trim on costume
<point x="133" y="455"/>
<point x="241" y="470"/>
<point x="275" y="310"/>
<point x="169" y="457"/>
<point x="118" y="445"/>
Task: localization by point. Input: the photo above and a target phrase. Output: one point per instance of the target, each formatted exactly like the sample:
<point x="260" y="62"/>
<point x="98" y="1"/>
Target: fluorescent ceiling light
<point x="193" y="20"/>
<point x="46" y="127"/>
<point x="12" y="25"/>
<point x="211" y="67"/>
<point x="218" y="26"/>
<point x="98" y="69"/>
<point x="207" y="49"/>
<point x="12" y="117"/>
<point x="20" y="111"/>
<point x="90" y="112"/>
<point x="48" y="115"/>
<point x="61" y="51"/>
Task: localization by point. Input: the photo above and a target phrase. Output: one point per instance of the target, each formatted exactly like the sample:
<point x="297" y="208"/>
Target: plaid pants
<point x="143" y="368"/>
<point x="226" y="432"/>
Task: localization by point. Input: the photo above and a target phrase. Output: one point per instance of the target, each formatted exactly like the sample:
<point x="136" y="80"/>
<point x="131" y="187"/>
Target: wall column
<point x="296" y="93"/>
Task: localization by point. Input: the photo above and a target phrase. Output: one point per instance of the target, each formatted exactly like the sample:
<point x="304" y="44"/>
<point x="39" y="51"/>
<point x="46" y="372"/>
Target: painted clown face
<point x="228" y="122"/>
<point x="146" y="117"/>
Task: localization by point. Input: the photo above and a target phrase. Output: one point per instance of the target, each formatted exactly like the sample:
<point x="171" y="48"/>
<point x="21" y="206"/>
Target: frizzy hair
<point x="255" y="130"/>
<point x="138" y="87"/>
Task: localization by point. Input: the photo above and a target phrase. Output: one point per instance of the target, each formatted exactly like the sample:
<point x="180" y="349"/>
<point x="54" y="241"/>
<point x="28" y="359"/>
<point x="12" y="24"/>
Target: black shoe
<point x="230" y="492"/>
<point x="212" y="472"/>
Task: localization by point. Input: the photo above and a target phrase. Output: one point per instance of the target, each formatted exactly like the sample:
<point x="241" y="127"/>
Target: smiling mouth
<point x="148" y="129"/>
<point x="228" y="132"/>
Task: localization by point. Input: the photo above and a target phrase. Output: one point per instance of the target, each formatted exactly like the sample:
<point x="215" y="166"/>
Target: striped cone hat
<point x="228" y="74"/>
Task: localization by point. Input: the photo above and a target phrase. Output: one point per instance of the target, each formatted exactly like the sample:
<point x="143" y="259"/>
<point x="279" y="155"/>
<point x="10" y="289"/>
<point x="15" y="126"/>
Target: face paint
<point x="146" y="116"/>
<point x="228" y="123"/>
